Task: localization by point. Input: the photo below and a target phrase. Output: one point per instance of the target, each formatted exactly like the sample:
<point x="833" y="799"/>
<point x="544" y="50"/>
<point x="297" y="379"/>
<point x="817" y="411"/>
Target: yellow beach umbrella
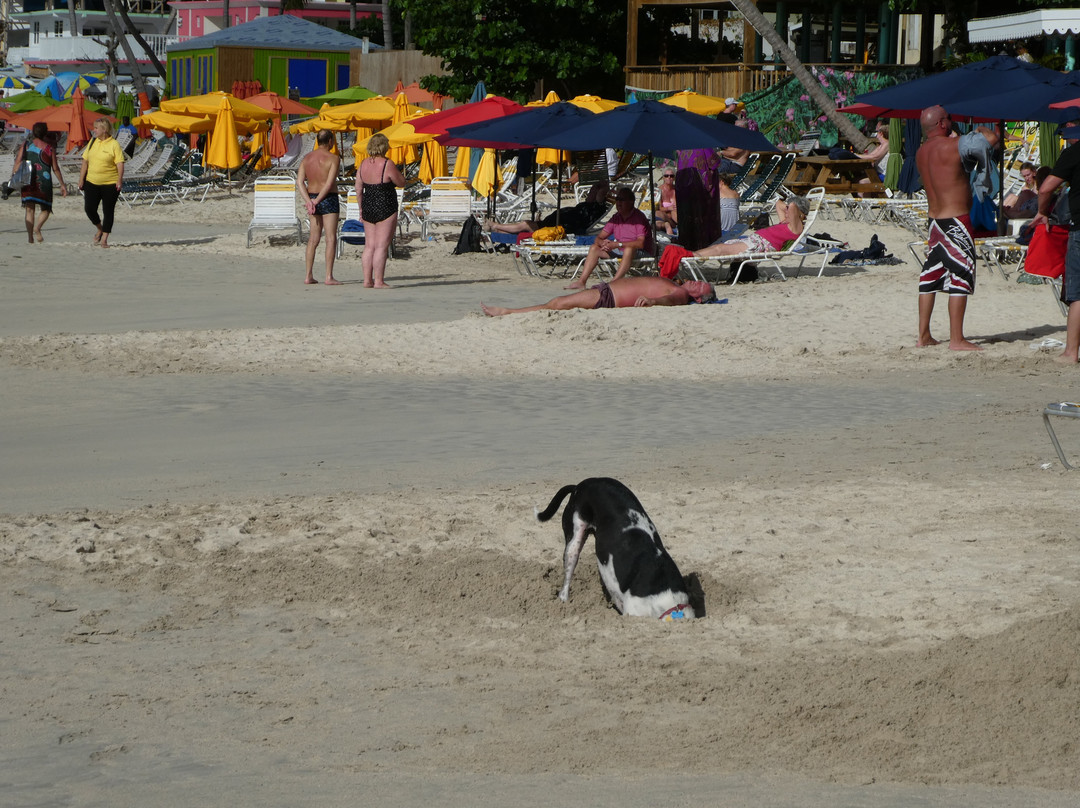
<point x="210" y="103"/>
<point x="595" y="103"/>
<point x="488" y="177"/>
<point x="549" y="157"/>
<point x="461" y="163"/>
<point x="321" y="122"/>
<point x="696" y="102"/>
<point x="433" y="161"/>
<point x="174" y="122"/>
<point x="403" y="153"/>
<point x="375" y="112"/>
<point x="224" y="150"/>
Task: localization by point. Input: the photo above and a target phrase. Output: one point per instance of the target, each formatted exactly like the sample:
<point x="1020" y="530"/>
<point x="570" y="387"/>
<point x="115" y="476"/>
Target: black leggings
<point x="104" y="195"/>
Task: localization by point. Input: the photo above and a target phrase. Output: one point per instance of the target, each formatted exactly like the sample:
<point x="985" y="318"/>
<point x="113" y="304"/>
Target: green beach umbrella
<point x="349" y="95"/>
<point x="29" y="101"/>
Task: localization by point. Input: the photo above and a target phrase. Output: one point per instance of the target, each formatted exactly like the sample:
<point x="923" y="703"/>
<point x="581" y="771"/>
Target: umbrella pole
<point x="558" y="191"/>
<point x="652" y="196"/>
<point x="1001" y="183"/>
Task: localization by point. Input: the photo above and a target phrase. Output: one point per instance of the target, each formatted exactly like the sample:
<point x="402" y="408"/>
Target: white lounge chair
<point x="800" y="248"/>
<point x="275" y="207"/>
<point x="450" y="202"/>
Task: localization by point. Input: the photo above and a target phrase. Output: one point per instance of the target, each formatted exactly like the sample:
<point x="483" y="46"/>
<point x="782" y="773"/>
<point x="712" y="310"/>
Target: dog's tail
<point x="553" y="506"/>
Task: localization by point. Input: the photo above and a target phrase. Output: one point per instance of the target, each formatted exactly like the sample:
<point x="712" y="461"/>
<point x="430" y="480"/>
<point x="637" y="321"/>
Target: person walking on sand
<point x="100" y="179"/>
<point x="317" y="181"/>
<point x="944" y="164"/>
<point x="621" y="293"/>
<point x="377" y="181"/>
<point x="39" y="193"/>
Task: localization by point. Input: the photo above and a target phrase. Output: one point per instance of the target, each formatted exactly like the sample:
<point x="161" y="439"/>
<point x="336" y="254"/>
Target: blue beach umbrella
<point x="649" y="127"/>
<point x="1029" y="103"/>
<point x="521" y="130"/>
<point x="12" y="83"/>
<point x="966" y="85"/>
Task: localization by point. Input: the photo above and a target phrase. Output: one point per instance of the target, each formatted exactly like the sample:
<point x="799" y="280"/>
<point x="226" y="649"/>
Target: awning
<point x="1023" y="26"/>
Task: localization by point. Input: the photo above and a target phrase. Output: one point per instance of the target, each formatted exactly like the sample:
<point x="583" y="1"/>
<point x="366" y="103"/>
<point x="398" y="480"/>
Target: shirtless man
<point x="950" y="264"/>
<point x="317" y="181"/>
<point x="622" y="293"/>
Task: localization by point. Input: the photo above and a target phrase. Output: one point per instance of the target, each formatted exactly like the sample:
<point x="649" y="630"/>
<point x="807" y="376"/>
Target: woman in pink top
<point x="768" y="239"/>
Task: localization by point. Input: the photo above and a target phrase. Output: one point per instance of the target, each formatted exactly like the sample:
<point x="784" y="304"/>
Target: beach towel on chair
<point x="669" y="260"/>
<point x="1046" y="252"/>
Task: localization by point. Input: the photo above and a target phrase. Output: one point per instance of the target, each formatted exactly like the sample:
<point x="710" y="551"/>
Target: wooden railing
<point x="724" y="81"/>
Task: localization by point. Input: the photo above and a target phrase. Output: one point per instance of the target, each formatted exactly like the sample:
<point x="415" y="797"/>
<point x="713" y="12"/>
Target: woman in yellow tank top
<point x="101" y="177"/>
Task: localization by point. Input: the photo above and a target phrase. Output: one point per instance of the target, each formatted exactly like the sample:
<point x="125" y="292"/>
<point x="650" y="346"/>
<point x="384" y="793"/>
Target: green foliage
<point x="570" y="45"/>
<point x="784" y="111"/>
<point x="1055" y="61"/>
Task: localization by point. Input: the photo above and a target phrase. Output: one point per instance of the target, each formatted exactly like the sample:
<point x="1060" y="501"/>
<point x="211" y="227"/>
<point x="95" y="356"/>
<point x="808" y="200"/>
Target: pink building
<point x="197" y="18"/>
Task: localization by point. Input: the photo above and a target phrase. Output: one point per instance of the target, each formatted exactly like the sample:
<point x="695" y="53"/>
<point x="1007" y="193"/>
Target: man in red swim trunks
<point x="622" y="293"/>
<point x="950" y="264"/>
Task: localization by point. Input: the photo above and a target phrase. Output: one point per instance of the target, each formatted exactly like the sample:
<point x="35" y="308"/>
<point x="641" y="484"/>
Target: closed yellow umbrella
<point x="461" y="163"/>
<point x="224" y="151"/>
<point x="405" y="152"/>
<point x="549" y="157"/>
<point x="488" y="177"/>
<point x="433" y="161"/>
<point x="696" y="102"/>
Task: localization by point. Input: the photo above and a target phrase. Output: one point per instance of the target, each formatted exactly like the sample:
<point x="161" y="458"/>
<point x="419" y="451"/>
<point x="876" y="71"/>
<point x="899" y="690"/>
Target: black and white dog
<point x="637" y="572"/>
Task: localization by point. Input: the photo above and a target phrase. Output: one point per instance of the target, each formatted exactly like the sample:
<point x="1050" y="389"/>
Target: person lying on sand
<point x="622" y="293"/>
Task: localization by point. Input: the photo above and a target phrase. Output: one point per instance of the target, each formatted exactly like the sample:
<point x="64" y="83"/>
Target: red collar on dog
<point x="670" y="613"/>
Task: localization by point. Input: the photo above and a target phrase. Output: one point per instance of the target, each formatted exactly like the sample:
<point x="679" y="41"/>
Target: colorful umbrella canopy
<point x="12" y="83"/>
<point x="224" y="150"/>
<point x="211" y="104"/>
<point x="350" y="95"/>
<point x="696" y="102"/>
<point x="62" y="85"/>
<point x="57" y="118"/>
<point x="280" y="105"/>
<point x="491" y="107"/>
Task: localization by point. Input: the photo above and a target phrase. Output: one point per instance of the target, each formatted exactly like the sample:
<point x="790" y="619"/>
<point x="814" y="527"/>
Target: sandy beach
<point x="272" y="544"/>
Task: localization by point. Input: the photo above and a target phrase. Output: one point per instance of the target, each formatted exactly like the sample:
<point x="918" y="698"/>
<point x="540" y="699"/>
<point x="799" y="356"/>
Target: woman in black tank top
<point x="377" y="179"/>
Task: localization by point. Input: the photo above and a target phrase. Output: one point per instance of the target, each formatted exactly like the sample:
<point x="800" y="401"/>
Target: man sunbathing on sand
<point x="622" y="293"/>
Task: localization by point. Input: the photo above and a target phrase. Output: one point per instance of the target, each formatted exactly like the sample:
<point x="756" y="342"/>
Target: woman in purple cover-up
<point x="697" y="195"/>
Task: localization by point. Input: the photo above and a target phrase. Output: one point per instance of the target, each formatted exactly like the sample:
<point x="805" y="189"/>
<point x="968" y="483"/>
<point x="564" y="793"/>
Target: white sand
<point x="272" y="541"/>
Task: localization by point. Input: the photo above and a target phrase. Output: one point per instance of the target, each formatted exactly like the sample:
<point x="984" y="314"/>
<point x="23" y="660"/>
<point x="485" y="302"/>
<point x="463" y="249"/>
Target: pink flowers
<point x="790" y="114"/>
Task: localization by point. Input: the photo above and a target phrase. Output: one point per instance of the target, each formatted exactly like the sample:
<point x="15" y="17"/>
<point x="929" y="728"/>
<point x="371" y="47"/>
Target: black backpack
<point x="469" y="240"/>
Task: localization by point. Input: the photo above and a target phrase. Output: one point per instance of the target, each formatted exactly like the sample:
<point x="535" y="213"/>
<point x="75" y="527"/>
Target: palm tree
<point x="387" y="26"/>
<point x="809" y="83"/>
<point x="129" y="54"/>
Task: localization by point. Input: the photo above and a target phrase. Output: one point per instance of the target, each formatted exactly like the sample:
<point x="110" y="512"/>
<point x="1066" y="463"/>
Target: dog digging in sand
<point x="637" y="572"/>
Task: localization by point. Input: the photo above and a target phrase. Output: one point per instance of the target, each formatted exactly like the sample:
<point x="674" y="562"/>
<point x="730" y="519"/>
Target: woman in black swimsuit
<point x="377" y="180"/>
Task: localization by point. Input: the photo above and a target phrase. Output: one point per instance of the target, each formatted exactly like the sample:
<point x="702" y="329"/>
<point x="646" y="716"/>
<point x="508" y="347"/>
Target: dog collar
<point x="674" y="613"/>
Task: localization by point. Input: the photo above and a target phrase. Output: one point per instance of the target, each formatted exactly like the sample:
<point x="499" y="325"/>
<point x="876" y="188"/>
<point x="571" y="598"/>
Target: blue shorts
<point x="330" y="204"/>
<point x="1070" y="291"/>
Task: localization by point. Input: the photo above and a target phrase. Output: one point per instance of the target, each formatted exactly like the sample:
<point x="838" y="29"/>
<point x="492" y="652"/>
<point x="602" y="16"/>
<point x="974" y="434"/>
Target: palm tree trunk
<point x="352" y="15"/>
<point x="72" y="19"/>
<point x="130" y="26"/>
<point x="387" y="26"/>
<point x="129" y="54"/>
<point x="809" y="83"/>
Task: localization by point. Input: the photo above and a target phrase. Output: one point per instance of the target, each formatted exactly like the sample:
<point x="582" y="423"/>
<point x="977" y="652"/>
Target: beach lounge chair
<point x="275" y="207"/>
<point x="802" y="248"/>
<point x="1064" y="409"/>
<point x="450" y="203"/>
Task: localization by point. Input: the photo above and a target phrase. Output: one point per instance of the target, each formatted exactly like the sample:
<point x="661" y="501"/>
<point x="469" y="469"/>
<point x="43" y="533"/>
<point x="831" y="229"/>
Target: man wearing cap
<point x="1067" y="169"/>
<point x="944" y="165"/>
<point x="622" y="293"/>
<point x="733" y="160"/>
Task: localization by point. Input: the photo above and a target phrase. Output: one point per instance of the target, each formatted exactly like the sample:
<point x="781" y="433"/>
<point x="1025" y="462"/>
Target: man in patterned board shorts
<point x="950" y="265"/>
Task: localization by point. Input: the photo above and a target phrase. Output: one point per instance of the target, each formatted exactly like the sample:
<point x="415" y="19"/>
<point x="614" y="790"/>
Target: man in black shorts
<point x="317" y="181"/>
